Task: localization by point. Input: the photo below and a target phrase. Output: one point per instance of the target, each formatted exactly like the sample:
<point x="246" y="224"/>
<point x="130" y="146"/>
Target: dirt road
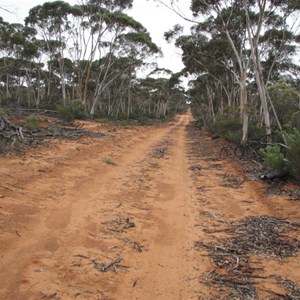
<point x="118" y="217"/>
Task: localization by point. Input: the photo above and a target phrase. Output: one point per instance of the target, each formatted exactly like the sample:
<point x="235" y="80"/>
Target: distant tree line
<point x="84" y="57"/>
<point x="243" y="56"/>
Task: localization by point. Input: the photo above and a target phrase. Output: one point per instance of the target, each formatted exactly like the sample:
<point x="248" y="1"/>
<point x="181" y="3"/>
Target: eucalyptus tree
<point x="52" y="21"/>
<point x="6" y="55"/>
<point x="101" y="31"/>
<point x="286" y="100"/>
<point x="160" y="96"/>
<point x="226" y="19"/>
<point x="249" y="28"/>
<point x="157" y="95"/>
<point x="136" y="46"/>
<point x="126" y="36"/>
<point x="258" y="18"/>
<point x="209" y="60"/>
<point x="18" y="50"/>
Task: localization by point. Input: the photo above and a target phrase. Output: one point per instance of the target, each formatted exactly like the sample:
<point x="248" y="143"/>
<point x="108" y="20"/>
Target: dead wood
<point x="13" y="138"/>
<point x="234" y="272"/>
<point x="10" y="132"/>
<point x="104" y="268"/>
<point x="38" y="111"/>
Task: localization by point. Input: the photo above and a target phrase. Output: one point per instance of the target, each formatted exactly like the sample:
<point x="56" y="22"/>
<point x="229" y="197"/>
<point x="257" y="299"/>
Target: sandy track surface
<point x="118" y="217"/>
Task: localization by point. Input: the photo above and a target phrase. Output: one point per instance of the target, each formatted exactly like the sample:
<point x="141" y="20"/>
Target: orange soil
<point x="63" y="212"/>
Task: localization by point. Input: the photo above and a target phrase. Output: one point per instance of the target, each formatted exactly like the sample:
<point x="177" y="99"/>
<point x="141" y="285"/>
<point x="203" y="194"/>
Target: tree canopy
<point x="89" y="53"/>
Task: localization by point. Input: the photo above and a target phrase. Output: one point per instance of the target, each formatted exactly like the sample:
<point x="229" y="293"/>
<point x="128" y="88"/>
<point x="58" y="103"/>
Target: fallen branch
<point x="102" y="269"/>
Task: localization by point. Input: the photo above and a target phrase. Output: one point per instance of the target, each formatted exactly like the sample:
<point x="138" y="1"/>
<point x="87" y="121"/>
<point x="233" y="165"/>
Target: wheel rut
<point x="133" y="216"/>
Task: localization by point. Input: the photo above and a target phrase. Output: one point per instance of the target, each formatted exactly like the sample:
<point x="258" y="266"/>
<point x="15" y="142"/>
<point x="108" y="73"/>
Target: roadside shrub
<point x="289" y="164"/>
<point x="232" y="130"/>
<point x="223" y="126"/>
<point x="65" y="113"/>
<point x="32" y="122"/>
<point x="200" y="123"/>
<point x="229" y="129"/>
<point x="234" y="137"/>
<point x="275" y="159"/>
<point x="293" y="154"/>
<point x="17" y="145"/>
<point x="255" y="133"/>
<point x="45" y="104"/>
<point x="143" y="119"/>
<point x="103" y="120"/>
<point x="77" y="109"/>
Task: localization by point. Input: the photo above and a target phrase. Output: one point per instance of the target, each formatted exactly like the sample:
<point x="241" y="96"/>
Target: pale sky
<point x="156" y="18"/>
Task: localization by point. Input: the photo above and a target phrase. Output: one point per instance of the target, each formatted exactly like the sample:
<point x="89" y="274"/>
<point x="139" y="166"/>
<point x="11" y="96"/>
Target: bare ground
<point x="128" y="216"/>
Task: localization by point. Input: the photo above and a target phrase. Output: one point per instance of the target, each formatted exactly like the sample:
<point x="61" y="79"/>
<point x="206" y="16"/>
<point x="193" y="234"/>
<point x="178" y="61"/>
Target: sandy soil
<point x="135" y="198"/>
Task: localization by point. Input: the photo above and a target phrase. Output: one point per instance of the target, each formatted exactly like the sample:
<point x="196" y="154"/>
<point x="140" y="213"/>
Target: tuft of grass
<point x="108" y="161"/>
<point x="103" y="120"/>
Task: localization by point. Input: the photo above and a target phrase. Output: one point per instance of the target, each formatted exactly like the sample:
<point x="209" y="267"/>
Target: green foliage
<point x="17" y="145"/>
<point x="255" y="133"/>
<point x="142" y="38"/>
<point x="77" y="109"/>
<point x="275" y="159"/>
<point x="286" y="100"/>
<point x="289" y="164"/>
<point x="143" y="119"/>
<point x="232" y="130"/>
<point x="295" y="120"/>
<point x="32" y="122"/>
<point x="69" y="113"/>
<point x="124" y="20"/>
<point x="293" y="154"/>
<point x="173" y="33"/>
<point x="234" y="136"/>
<point x="200" y="122"/>
<point x="292" y="136"/>
<point x="229" y="129"/>
<point x="65" y="113"/>
<point x="103" y="120"/>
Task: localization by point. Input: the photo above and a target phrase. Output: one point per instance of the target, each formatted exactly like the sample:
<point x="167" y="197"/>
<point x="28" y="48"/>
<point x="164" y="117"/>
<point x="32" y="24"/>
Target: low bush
<point x="229" y="129"/>
<point x="143" y="119"/>
<point x="65" y="113"/>
<point x="77" y="109"/>
<point x="255" y="133"/>
<point x="275" y="159"/>
<point x="233" y="132"/>
<point x="200" y="123"/>
<point x="223" y="126"/>
<point x="103" y="120"/>
<point x="234" y="137"/>
<point x="285" y="164"/>
<point x="293" y="154"/>
<point x="32" y="122"/>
